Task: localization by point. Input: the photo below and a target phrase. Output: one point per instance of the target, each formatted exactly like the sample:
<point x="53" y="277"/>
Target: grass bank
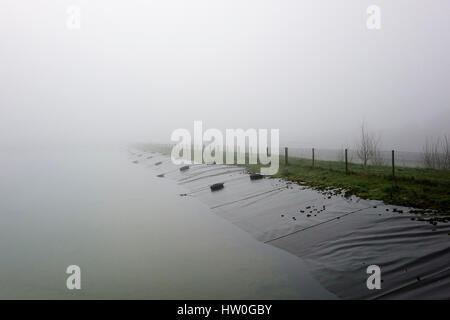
<point x="427" y="189"/>
<point x="411" y="187"/>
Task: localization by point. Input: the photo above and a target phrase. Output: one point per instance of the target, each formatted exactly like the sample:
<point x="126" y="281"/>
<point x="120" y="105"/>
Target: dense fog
<point x="136" y="71"/>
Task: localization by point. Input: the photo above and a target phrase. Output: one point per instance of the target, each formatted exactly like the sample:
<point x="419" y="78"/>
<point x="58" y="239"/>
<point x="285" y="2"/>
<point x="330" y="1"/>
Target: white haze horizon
<point x="135" y="72"/>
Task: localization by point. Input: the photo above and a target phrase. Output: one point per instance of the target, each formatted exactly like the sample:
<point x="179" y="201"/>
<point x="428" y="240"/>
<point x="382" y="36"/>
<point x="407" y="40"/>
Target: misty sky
<point x="137" y="70"/>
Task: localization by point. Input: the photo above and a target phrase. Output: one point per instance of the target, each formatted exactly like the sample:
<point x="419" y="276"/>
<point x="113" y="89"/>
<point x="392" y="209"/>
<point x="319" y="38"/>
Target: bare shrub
<point x="368" y="148"/>
<point x="436" y="153"/>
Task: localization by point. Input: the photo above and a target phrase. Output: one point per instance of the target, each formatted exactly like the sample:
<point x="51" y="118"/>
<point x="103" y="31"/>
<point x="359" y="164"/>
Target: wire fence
<point x="337" y="159"/>
<point x="382" y="158"/>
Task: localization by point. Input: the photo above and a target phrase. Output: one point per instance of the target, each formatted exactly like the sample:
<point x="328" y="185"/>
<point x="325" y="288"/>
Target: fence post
<point x="393" y="165"/>
<point x="313" y="157"/>
<point x="346" y="162"/>
<point x="285" y="155"/>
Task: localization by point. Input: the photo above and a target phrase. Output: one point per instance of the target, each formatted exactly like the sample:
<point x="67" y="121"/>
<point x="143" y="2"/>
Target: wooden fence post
<point x="393" y="165"/>
<point x="346" y="162"/>
<point x="313" y="157"/>
<point x="285" y="155"/>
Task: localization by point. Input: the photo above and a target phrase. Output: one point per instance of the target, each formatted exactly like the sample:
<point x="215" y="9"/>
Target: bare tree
<point x="436" y="153"/>
<point x="367" y="149"/>
<point x="364" y="150"/>
<point x="446" y="153"/>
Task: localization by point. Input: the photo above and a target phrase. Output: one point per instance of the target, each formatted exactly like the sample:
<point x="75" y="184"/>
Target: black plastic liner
<point x="338" y="237"/>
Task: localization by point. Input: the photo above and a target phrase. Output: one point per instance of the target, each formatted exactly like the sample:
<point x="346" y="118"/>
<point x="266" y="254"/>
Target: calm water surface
<point x="131" y="233"/>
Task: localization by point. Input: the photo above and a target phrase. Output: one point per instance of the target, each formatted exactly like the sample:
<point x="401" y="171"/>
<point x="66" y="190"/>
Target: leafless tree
<point x="368" y="148"/>
<point x="446" y="152"/>
<point x="436" y="153"/>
